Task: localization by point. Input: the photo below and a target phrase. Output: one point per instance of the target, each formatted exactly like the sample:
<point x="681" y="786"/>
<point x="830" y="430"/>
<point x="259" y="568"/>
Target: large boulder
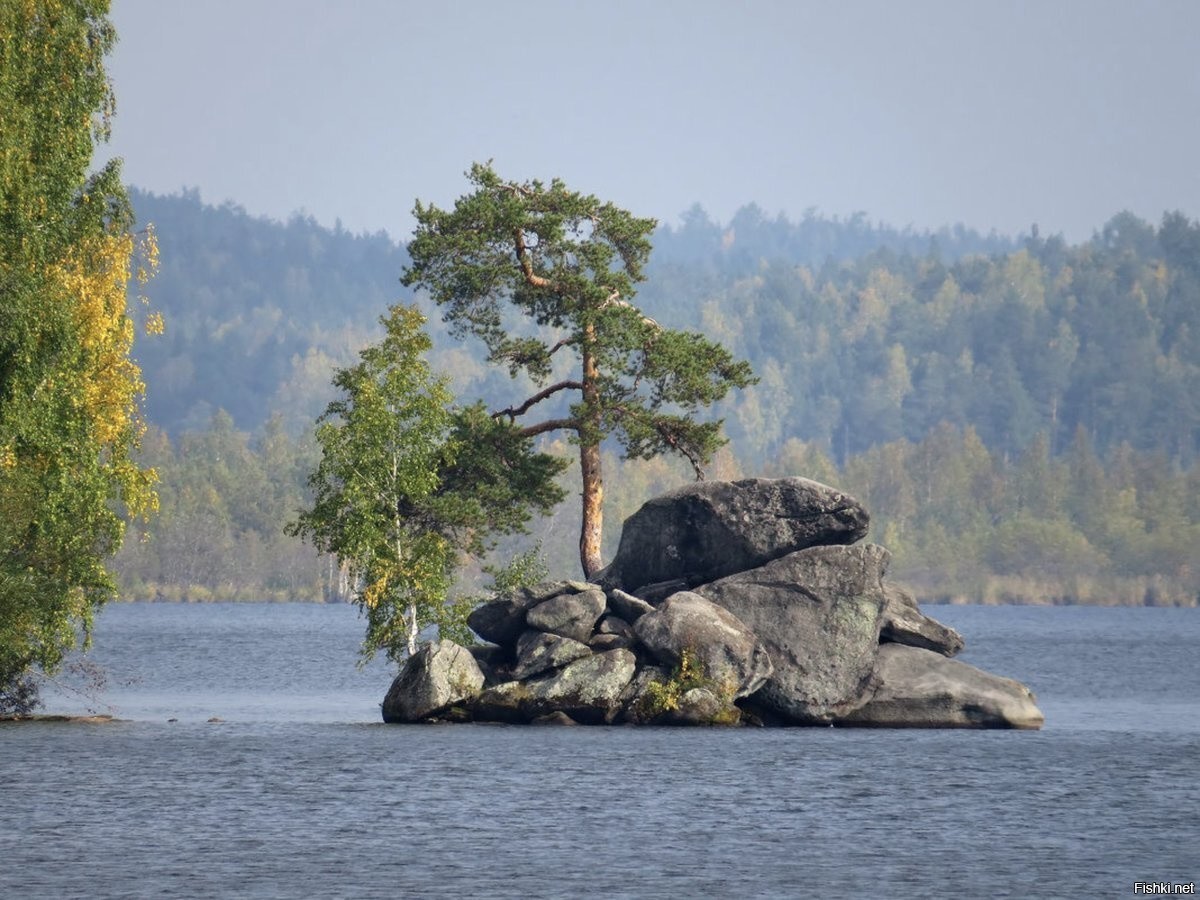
<point x="502" y="620"/>
<point x="538" y="652"/>
<point x="729" y="654"/>
<point x="589" y="690"/>
<point x="709" y="530"/>
<point x="433" y="679"/>
<point x="569" y="615"/>
<point x="818" y="612"/>
<point x="904" y="623"/>
<point x="918" y="688"/>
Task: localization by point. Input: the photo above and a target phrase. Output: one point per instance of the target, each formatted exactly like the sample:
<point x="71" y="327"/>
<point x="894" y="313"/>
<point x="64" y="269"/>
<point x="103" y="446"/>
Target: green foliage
<point x="406" y="484"/>
<point x="663" y="696"/>
<point x="565" y="265"/>
<point x="68" y="390"/>
<point x="525" y="569"/>
<point x="382" y="443"/>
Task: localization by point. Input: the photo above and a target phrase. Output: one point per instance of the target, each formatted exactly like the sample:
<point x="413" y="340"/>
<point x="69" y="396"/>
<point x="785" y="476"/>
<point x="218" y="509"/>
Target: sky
<point x="922" y="113"/>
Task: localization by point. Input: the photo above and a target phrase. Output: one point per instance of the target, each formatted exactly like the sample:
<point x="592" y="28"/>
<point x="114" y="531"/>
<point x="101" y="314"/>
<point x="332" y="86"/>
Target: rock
<point x="494" y="661"/>
<point x="547" y="589"/>
<point x="627" y="606"/>
<point x="700" y="706"/>
<point x="506" y="702"/>
<point x="818" y="612"/>
<point x="918" y="688"/>
<point x="728" y="653"/>
<point x="904" y="623"/>
<point x="601" y="642"/>
<point x="634" y="708"/>
<point x="570" y="615"/>
<point x="588" y="690"/>
<point x="538" y="652"/>
<point x="554" y="718"/>
<point x="712" y="529"/>
<point x="434" y="678"/>
<point x="502" y="620"/>
<point x="613" y="625"/>
<point x="651" y="700"/>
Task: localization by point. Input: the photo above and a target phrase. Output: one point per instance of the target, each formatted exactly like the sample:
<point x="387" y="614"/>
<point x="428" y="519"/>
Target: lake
<point x="301" y="792"/>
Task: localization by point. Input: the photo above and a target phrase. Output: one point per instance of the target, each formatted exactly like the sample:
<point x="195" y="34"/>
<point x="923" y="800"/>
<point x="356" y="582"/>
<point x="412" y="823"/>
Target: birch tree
<point x="408" y="484"/>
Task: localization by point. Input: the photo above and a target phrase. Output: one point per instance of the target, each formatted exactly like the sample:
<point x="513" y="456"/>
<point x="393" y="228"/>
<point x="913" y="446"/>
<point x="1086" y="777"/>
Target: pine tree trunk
<point x="589" y="464"/>
<point x="593" y="510"/>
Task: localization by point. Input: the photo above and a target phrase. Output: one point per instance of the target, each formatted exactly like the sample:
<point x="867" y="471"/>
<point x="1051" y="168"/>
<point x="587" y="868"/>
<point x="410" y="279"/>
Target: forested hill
<point x="259" y="310"/>
<point x="1049" y="338"/>
<point x="1022" y="418"/>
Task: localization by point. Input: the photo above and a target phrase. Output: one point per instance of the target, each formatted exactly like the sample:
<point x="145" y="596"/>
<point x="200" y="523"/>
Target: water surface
<point x="299" y="792"/>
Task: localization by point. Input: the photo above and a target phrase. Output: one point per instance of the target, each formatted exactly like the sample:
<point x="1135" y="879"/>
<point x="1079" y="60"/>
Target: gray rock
<point x="494" y="661"/>
<point x="729" y="653"/>
<point x="502" y="620"/>
<point x="537" y="652"/>
<point x="642" y="705"/>
<point x="818" y="612"/>
<point x="627" y="606"/>
<point x="918" y="688"/>
<point x="633" y="705"/>
<point x="554" y="718"/>
<point x="436" y="677"/>
<point x="588" y="690"/>
<point x="570" y="615"/>
<point x="507" y="702"/>
<point x="712" y="529"/>
<point x="613" y="625"/>
<point x="601" y="642"/>
<point x="701" y="706"/>
<point x="904" y="623"/>
<point x="547" y="589"/>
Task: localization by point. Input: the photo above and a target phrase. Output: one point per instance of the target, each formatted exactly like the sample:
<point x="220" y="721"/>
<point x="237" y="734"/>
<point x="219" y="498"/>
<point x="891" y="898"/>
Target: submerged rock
<point x="712" y="529"/>
<point x="917" y="688"/>
<point x="436" y="677"/>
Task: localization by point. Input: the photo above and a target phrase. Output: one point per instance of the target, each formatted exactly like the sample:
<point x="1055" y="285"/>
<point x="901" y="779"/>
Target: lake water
<point x="300" y="792"/>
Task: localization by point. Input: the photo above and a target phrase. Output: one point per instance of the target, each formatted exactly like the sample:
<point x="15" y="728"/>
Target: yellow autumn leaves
<point x="96" y="279"/>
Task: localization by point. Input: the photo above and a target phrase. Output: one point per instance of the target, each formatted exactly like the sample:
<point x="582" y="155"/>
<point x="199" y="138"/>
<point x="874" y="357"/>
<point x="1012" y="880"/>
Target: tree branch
<point x="681" y="448"/>
<point x="614" y="299"/>
<point x="565" y="342"/>
<point x="550" y="425"/>
<point x="513" y="411"/>
<point x="526" y="264"/>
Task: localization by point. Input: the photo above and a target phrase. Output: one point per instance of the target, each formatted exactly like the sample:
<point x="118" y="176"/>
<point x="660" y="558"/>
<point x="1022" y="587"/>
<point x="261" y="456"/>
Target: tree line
<point x="964" y="523"/>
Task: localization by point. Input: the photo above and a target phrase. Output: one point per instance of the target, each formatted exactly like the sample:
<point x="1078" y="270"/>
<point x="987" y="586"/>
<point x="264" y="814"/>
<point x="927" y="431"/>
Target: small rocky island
<point x="746" y="602"/>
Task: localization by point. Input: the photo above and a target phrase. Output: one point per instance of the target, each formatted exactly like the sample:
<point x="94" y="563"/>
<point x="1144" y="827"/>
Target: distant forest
<point x="1020" y="415"/>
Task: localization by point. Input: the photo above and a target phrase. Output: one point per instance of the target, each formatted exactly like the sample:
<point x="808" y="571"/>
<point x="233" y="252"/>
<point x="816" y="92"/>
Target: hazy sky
<point x="993" y="114"/>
